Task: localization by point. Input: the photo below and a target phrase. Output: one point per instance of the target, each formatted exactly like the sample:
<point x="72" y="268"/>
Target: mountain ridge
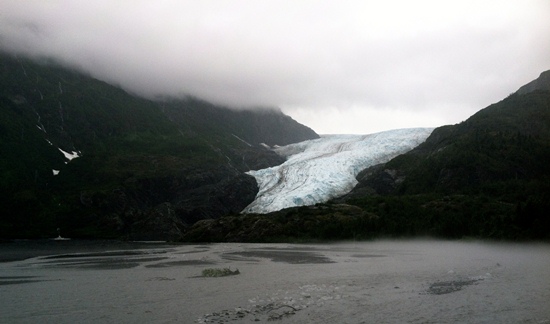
<point x="540" y="83"/>
<point x="146" y="169"/>
<point x="487" y="177"/>
<point x="174" y="169"/>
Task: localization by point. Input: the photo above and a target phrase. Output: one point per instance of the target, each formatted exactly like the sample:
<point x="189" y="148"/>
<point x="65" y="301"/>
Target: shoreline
<point x="23" y="249"/>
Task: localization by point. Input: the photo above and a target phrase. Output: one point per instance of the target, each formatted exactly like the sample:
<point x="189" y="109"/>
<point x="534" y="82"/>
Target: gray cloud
<point x="337" y="66"/>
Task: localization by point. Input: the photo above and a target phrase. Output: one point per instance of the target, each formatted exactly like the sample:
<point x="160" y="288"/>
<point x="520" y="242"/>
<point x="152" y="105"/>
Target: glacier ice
<point x="318" y="170"/>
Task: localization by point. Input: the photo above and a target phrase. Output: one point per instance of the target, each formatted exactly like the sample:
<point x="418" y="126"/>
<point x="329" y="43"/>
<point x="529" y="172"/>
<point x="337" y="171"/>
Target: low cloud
<point x="390" y="63"/>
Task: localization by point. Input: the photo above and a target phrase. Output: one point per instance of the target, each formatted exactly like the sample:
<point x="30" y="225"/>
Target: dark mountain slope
<point x="487" y="177"/>
<point x="505" y="141"/>
<point x="147" y="169"/>
<point x="508" y="140"/>
<point x="541" y="83"/>
<point x="267" y="126"/>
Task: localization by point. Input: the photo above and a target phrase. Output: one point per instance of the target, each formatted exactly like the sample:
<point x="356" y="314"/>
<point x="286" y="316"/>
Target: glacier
<point x="316" y="171"/>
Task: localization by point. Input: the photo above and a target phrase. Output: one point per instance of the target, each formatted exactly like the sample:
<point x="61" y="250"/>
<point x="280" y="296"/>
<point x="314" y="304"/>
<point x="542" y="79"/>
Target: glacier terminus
<point x="316" y="171"/>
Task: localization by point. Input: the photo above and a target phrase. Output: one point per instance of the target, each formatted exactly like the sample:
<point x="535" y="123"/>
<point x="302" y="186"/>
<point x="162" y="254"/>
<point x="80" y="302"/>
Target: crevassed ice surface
<point x="318" y="170"/>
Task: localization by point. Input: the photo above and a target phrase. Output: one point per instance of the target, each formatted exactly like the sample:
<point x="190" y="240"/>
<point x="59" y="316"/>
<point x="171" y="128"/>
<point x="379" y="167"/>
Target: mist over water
<point x="409" y="281"/>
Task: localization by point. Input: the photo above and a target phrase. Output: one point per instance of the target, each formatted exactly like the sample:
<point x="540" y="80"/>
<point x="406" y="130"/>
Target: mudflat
<point x="410" y="281"/>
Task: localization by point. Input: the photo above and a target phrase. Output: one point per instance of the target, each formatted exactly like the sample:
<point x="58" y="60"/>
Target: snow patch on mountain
<point x="70" y="156"/>
<point x="318" y="170"/>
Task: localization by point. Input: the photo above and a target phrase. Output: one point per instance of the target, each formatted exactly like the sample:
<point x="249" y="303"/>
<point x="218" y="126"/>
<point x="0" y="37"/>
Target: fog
<point x="338" y="67"/>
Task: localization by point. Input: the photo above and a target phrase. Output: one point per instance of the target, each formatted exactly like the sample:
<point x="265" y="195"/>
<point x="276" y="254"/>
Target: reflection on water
<point x="447" y="287"/>
<point x="179" y="263"/>
<point x="15" y="280"/>
<point x="292" y="257"/>
<point x="370" y="282"/>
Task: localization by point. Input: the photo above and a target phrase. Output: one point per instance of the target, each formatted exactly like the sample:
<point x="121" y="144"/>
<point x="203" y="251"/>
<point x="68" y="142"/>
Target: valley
<point x="176" y="169"/>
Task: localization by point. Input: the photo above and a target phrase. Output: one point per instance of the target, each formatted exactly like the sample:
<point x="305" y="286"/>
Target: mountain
<point x="487" y="177"/>
<point x="506" y="141"/>
<point x="316" y="171"/>
<point x="541" y="83"/>
<point x="87" y="157"/>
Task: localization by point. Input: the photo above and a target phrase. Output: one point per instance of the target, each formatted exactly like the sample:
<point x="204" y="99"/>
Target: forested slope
<point x="146" y="168"/>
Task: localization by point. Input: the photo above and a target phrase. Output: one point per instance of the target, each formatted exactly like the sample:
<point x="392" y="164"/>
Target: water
<point x="367" y="282"/>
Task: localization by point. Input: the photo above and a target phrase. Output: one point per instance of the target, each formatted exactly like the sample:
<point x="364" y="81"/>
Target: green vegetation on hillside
<point x="145" y="166"/>
<point x="488" y="177"/>
<point x="441" y="216"/>
<point x="173" y="169"/>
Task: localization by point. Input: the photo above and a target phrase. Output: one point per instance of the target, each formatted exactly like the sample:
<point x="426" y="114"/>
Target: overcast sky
<point x="335" y="66"/>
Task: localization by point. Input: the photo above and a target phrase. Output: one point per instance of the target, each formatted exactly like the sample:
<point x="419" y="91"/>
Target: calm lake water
<point x="367" y="282"/>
